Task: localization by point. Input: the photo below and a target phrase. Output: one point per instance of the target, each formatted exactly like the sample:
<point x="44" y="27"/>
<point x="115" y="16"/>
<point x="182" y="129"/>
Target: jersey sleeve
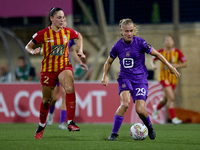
<point x="113" y="52"/>
<point x="38" y="37"/>
<point x="181" y="57"/>
<point x="73" y="34"/>
<point x="146" y="47"/>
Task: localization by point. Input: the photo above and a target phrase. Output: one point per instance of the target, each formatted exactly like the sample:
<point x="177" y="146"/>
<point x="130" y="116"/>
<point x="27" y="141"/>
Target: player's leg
<point x="165" y="83"/>
<point x="162" y="103"/>
<point x="66" y="79"/>
<point x="125" y="98"/>
<point x="63" y="111"/>
<point x="44" y="108"/>
<point x="140" y="92"/>
<point x="55" y="97"/>
<point x="142" y="113"/>
<point x="156" y="108"/>
<point x="124" y="90"/>
<point x="169" y="92"/>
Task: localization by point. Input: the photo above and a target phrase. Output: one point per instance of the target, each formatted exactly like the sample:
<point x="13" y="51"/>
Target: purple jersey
<point x="70" y="44"/>
<point x="132" y="59"/>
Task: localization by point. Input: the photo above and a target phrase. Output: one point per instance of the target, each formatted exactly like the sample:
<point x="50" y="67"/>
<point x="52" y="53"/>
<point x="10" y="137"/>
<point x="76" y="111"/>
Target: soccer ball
<point x="138" y="131"/>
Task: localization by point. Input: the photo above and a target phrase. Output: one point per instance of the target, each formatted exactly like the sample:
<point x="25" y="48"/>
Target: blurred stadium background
<point x="97" y="21"/>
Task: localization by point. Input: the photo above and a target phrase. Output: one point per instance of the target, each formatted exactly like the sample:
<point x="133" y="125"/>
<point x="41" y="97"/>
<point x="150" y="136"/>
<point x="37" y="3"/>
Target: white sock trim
<point x="69" y="121"/>
<point x="42" y="124"/>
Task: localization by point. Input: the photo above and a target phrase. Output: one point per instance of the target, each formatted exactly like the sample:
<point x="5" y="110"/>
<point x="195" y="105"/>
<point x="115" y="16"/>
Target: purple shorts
<point x="138" y="90"/>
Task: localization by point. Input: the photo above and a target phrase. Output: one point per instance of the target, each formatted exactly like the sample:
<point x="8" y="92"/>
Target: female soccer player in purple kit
<point x="133" y="75"/>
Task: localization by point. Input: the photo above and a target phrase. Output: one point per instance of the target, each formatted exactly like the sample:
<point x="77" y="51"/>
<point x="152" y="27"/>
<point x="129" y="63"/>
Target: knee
<point x="140" y="111"/>
<point x="125" y="104"/>
<point x="46" y="102"/>
<point x="170" y="98"/>
<point x="69" y="89"/>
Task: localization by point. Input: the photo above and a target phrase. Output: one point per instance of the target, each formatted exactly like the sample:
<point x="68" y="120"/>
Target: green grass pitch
<point x="20" y="136"/>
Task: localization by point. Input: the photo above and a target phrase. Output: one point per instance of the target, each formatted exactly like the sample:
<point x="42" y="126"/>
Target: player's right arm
<point x="37" y="38"/>
<point x="29" y="48"/>
<point x="106" y="68"/>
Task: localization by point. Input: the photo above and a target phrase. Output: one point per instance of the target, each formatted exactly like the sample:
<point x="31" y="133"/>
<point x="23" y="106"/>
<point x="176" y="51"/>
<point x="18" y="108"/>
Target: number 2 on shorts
<point x="46" y="81"/>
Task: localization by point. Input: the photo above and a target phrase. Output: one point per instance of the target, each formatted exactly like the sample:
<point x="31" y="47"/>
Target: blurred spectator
<point x="24" y="72"/>
<point x="5" y="75"/>
<point x="79" y="72"/>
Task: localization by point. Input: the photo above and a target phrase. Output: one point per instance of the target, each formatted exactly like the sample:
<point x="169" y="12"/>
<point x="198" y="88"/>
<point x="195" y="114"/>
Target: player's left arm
<point x="78" y="60"/>
<point x="80" y="46"/>
<point x="162" y="59"/>
<point x="76" y="35"/>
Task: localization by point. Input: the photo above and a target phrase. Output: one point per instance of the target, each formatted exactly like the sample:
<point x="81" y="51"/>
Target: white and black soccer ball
<point x="138" y="131"/>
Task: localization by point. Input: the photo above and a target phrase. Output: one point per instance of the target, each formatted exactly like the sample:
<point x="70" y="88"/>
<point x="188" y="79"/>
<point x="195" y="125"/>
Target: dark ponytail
<point x="52" y="12"/>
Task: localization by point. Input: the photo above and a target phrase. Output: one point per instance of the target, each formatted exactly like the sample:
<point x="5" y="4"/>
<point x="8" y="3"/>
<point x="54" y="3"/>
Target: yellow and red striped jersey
<point x="55" y="47"/>
<point x="173" y="57"/>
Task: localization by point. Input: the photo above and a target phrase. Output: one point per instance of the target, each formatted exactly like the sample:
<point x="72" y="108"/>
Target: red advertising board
<point x="94" y="103"/>
<point x="33" y="8"/>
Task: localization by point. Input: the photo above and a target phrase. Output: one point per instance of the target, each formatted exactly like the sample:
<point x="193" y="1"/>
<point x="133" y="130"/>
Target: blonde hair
<point x="127" y="21"/>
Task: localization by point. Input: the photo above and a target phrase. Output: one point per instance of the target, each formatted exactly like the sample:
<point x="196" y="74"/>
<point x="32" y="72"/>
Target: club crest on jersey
<point x="65" y="39"/>
<point x="58" y="50"/>
<point x="127" y="54"/>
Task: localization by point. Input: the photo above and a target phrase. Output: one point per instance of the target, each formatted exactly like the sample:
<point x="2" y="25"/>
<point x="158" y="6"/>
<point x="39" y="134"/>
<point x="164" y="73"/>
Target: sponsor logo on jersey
<point x="58" y="50"/>
<point x="123" y="85"/>
<point x="50" y="39"/>
<point x="149" y="46"/>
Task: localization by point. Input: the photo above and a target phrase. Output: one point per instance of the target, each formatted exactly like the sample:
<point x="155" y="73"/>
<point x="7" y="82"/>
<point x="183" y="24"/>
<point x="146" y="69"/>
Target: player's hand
<point x="154" y="67"/>
<point x="174" y="71"/>
<point x="36" y="51"/>
<point x="104" y="81"/>
<point x="81" y="55"/>
<point x="84" y="66"/>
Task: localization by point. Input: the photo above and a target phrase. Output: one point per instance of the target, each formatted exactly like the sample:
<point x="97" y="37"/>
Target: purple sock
<point x="63" y="116"/>
<point x="147" y="122"/>
<point x="51" y="110"/>
<point x="117" y="123"/>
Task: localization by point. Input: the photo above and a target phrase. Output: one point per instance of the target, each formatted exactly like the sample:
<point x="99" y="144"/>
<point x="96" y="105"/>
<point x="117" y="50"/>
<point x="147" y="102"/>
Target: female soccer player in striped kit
<point x="55" y="96"/>
<point x="133" y="75"/>
<point x="55" y="65"/>
<point x="168" y="80"/>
